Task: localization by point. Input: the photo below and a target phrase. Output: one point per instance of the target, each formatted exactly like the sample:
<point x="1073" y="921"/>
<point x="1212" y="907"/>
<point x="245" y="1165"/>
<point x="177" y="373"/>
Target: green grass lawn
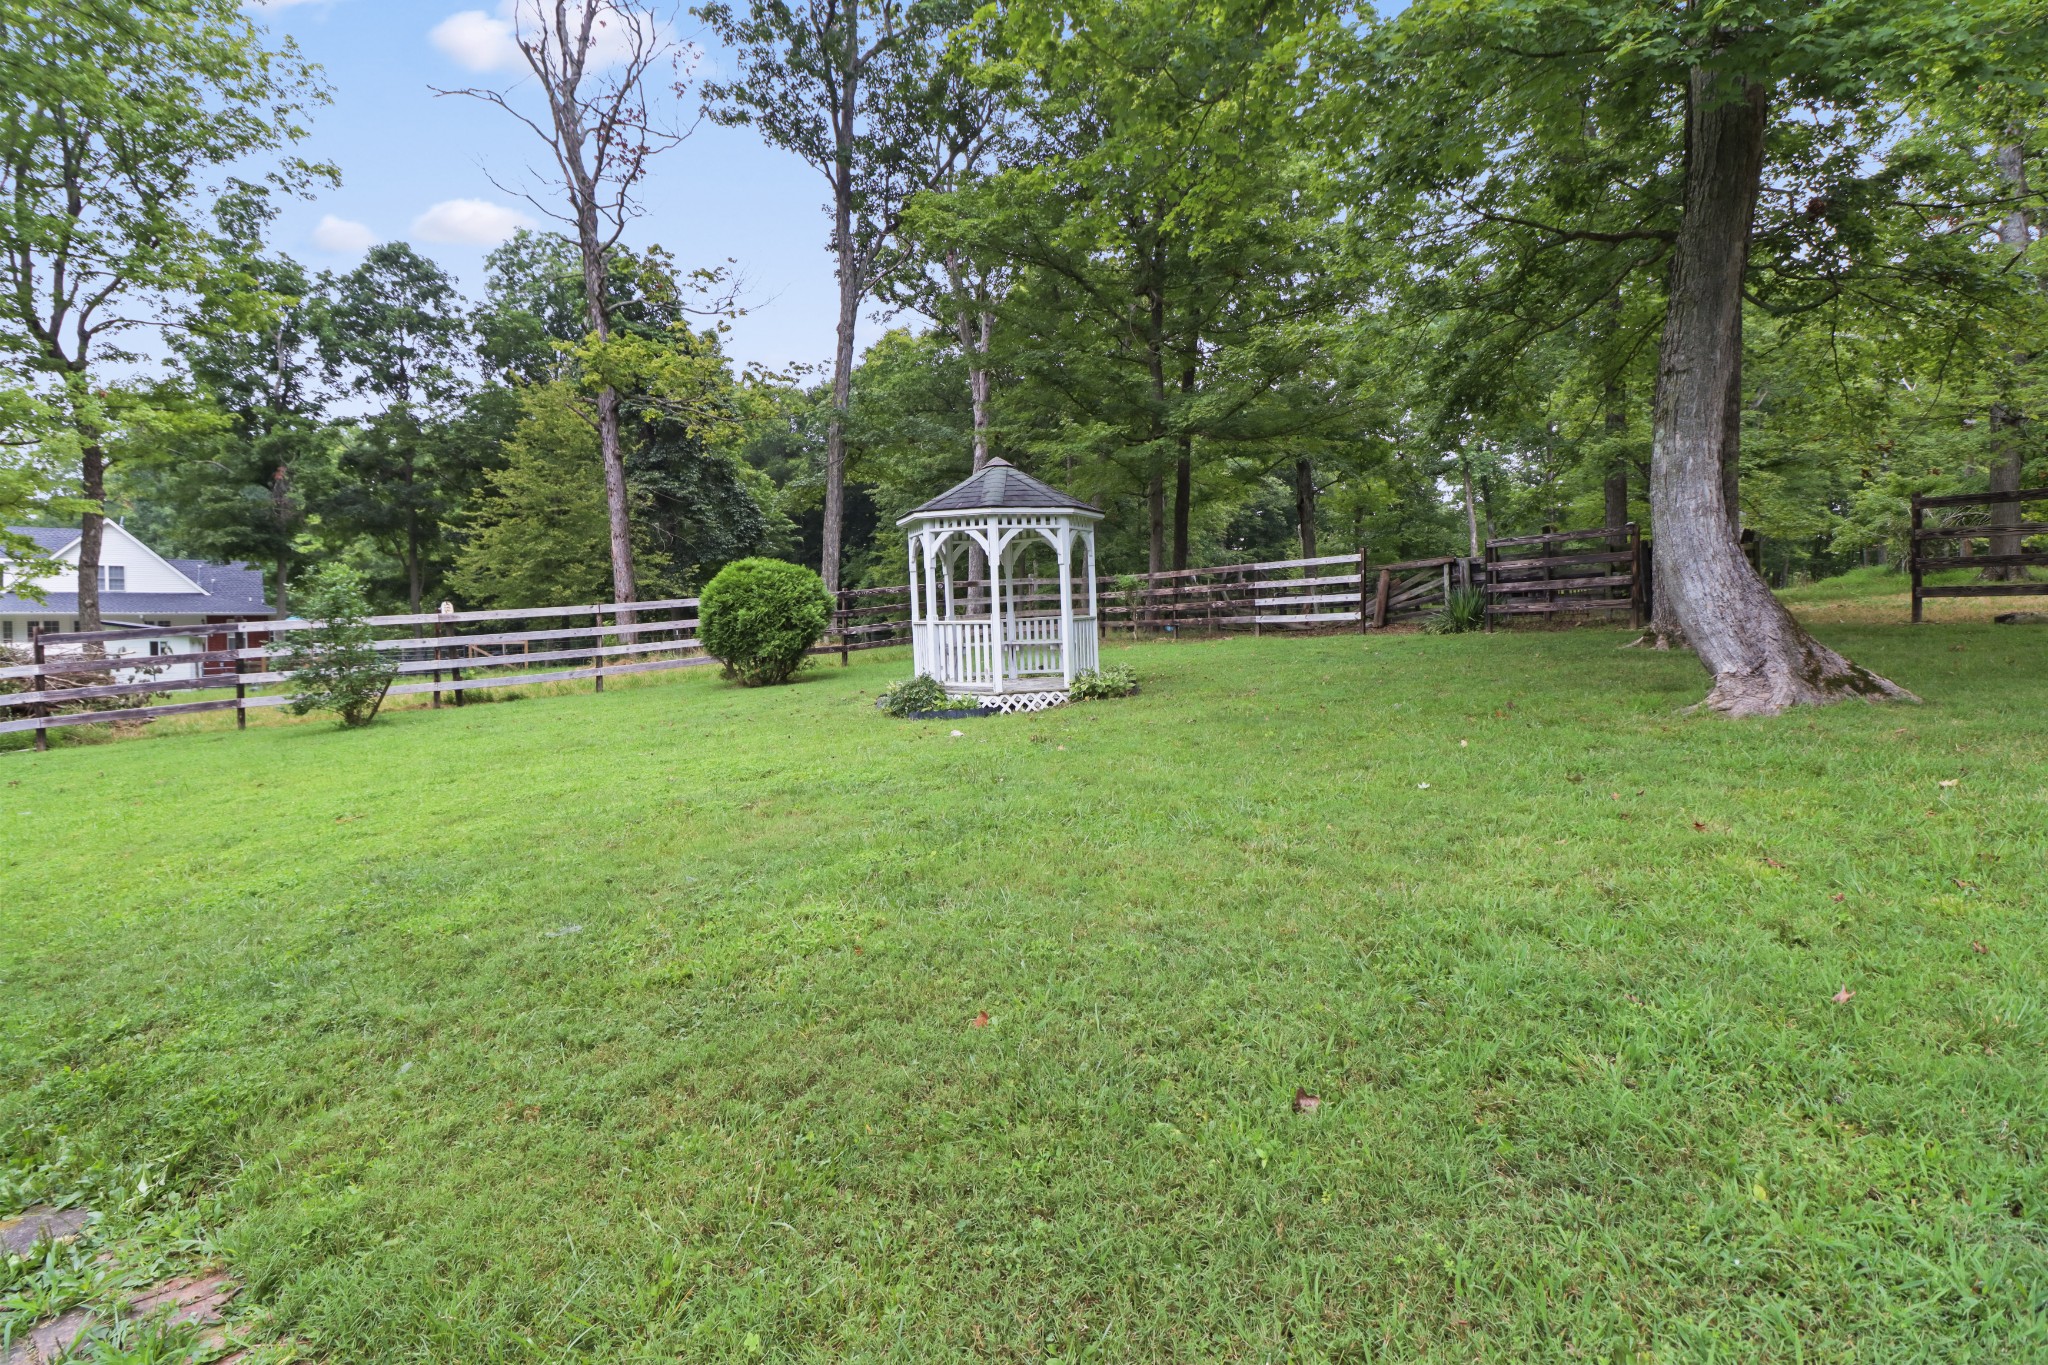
<point x="642" y="1027"/>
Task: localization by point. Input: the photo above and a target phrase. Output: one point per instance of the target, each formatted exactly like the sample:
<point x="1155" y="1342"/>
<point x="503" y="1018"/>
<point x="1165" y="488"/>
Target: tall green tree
<point x="860" y="91"/>
<point x="1742" y="148"/>
<point x="396" y="338"/>
<point x="119" y="124"/>
<point x="593" y="62"/>
<point x="252" y="487"/>
<point x="1168" y="295"/>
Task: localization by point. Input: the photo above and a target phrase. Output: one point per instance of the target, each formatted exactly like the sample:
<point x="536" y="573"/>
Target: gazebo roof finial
<point x="1001" y="486"/>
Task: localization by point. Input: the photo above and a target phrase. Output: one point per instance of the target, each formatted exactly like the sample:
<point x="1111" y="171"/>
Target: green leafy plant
<point x="335" y="664"/>
<point x="1463" y="610"/>
<point x="907" y="696"/>
<point x="1102" y="684"/>
<point x="759" y="617"/>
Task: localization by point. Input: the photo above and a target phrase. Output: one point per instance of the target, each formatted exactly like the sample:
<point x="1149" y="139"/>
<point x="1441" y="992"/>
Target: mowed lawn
<point x="647" y="1027"/>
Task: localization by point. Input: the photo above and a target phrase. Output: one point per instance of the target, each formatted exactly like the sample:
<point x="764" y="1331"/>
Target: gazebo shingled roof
<point x="1000" y="484"/>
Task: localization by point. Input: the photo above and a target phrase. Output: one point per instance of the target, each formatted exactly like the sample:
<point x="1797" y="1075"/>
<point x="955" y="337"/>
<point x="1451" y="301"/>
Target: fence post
<point x="1912" y="553"/>
<point x="1380" y="595"/>
<point x="39" y="683"/>
<point x="1486" y="582"/>
<point x="237" y="642"/>
<point x="597" y="651"/>
<point x="1636" y="615"/>
<point x="843" y="612"/>
<point x="434" y="698"/>
<point x="1364" y="623"/>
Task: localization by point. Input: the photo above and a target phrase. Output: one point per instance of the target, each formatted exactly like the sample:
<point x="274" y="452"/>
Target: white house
<point x="138" y="587"/>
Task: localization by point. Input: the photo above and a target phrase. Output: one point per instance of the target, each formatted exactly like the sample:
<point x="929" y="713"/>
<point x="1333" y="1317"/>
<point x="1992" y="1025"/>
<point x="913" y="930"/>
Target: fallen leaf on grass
<point x="1422" y="786"/>
<point x="1838" y="896"/>
<point x="1305" y="1103"/>
<point x="979" y="1020"/>
<point x="1948" y="781"/>
<point x="1700" y="825"/>
<point x="1772" y="862"/>
<point x="1977" y="947"/>
<point x="1844" y="996"/>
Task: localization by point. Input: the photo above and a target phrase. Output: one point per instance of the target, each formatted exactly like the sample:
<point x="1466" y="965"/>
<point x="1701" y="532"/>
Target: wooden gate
<point x="1598" y="570"/>
<point x="2007" y="546"/>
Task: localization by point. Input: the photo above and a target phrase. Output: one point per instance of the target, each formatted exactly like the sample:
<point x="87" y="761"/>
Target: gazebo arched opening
<point x="1017" y="639"/>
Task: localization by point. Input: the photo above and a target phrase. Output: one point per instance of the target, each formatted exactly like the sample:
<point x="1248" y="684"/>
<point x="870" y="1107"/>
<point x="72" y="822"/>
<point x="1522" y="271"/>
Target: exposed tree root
<point x="1820" y="677"/>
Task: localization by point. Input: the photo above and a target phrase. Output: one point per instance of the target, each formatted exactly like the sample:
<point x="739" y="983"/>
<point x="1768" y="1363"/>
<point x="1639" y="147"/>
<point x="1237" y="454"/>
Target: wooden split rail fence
<point x="1600" y="570"/>
<point x="1329" y="592"/>
<point x="450" y="655"/>
<point x="2007" y="539"/>
<point x="601" y="640"/>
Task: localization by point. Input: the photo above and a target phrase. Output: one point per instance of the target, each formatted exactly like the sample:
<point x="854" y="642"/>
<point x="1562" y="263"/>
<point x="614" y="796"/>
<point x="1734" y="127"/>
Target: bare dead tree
<point x="591" y="62"/>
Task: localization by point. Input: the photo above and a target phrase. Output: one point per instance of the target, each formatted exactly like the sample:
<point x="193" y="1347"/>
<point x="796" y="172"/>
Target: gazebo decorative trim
<point x="983" y="639"/>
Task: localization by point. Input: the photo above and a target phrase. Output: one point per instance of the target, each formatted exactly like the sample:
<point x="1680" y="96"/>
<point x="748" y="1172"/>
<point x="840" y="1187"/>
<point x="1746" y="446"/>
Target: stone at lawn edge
<point x="21" y="1235"/>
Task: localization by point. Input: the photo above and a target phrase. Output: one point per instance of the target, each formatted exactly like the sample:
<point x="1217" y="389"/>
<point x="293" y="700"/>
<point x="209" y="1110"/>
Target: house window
<point x="6" y="632"/>
<point x="113" y="578"/>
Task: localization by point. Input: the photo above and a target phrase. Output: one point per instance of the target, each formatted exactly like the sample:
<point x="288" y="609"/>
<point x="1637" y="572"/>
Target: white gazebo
<point x="1017" y="640"/>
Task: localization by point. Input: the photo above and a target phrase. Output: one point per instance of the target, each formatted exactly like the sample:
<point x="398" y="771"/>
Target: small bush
<point x="921" y="693"/>
<point x="1101" y="684"/>
<point x="1463" y="610"/>
<point x="335" y="664"/>
<point x="758" y="617"/>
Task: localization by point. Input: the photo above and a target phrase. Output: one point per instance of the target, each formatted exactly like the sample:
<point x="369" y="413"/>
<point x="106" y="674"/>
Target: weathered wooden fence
<point x="438" y="654"/>
<point x="452" y="654"/>
<point x="2007" y="545"/>
<point x="1329" y="592"/>
<point x="1598" y="570"/>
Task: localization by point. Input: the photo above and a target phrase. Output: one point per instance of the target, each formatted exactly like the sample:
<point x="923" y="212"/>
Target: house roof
<point x="1000" y="484"/>
<point x="229" y="589"/>
<point x="48" y="539"/>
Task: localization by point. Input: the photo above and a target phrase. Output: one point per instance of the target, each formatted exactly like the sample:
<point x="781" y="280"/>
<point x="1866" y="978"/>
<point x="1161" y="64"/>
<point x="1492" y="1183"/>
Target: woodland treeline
<point x="1257" y="276"/>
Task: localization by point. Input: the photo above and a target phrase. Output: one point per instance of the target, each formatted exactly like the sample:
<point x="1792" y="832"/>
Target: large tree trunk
<point x="92" y="486"/>
<point x="617" y="501"/>
<point x="835" y="430"/>
<point x="1183" y="501"/>
<point x="1614" y="491"/>
<point x="1155" y="519"/>
<point x="1471" y="503"/>
<point x="1184" y="471"/>
<point x="974" y="329"/>
<point x="2008" y="416"/>
<point x="1305" y="505"/>
<point x="1759" y="657"/>
<point x="597" y="316"/>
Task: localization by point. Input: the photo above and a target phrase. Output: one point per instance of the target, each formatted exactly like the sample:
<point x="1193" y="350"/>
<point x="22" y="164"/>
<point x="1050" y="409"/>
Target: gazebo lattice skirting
<point x="991" y="637"/>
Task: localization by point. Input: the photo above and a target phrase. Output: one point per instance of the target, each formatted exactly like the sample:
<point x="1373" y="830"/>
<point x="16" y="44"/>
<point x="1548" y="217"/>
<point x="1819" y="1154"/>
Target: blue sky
<point x="418" y="168"/>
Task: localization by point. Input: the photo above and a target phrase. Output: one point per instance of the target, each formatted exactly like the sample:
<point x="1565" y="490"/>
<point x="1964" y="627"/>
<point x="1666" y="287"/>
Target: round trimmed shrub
<point x="759" y="616"/>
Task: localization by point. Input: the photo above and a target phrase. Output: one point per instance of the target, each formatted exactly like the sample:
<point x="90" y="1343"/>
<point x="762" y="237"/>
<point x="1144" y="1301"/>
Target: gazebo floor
<point x="1008" y="687"/>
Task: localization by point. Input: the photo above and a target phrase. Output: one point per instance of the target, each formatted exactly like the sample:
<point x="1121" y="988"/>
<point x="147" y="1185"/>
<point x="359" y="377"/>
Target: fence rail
<point x="2006" y="539"/>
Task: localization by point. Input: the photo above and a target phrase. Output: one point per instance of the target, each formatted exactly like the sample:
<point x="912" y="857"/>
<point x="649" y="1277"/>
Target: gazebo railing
<point x="1031" y="646"/>
<point x="961" y="651"/>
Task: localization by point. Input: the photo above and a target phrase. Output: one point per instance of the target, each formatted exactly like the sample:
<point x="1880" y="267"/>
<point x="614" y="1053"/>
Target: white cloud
<point x="483" y="41"/>
<point x="342" y="236"/>
<point x="477" y="41"/>
<point x="469" y="222"/>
